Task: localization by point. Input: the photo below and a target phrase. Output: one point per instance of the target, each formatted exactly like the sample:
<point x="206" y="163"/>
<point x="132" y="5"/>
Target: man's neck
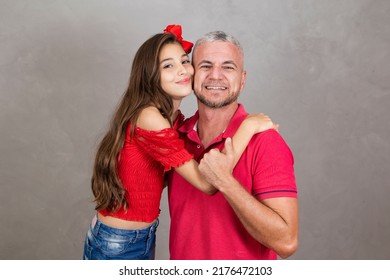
<point x="212" y="122"/>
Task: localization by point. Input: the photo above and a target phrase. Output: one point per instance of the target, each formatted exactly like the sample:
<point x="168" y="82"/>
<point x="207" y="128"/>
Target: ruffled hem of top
<point x="165" y="146"/>
<point x="178" y="159"/>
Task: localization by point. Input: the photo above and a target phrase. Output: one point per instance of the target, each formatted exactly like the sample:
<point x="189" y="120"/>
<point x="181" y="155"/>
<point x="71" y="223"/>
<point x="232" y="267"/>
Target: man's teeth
<point x="216" y="88"/>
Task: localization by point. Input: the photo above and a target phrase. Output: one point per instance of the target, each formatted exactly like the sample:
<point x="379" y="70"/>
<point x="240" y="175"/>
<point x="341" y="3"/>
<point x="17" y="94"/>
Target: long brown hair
<point x="144" y="90"/>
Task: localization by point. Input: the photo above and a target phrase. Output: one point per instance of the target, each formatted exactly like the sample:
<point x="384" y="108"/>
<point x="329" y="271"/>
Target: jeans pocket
<point x="135" y="249"/>
<point x="111" y="246"/>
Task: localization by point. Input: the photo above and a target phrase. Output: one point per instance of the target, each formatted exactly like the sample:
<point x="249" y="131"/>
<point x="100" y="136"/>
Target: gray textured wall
<point x="319" y="68"/>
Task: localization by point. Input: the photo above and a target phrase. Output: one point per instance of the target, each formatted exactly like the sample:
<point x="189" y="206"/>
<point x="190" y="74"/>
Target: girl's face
<point x="176" y="71"/>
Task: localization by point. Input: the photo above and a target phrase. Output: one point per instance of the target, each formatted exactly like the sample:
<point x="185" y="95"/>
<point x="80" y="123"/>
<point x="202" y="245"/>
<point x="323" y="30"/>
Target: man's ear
<point x="243" y="80"/>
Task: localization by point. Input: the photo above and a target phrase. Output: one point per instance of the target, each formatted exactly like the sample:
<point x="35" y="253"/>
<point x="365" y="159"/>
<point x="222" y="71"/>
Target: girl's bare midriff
<point x="122" y="224"/>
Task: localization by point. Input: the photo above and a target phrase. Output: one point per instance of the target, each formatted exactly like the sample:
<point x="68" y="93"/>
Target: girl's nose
<point x="182" y="70"/>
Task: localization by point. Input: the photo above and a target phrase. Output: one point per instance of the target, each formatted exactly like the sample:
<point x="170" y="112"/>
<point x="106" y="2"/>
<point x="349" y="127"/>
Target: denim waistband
<point x="97" y="226"/>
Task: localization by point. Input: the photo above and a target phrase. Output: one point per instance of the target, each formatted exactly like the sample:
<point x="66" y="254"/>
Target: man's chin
<point x="216" y="104"/>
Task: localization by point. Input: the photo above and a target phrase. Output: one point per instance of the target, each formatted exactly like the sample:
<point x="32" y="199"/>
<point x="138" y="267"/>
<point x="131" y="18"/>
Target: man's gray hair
<point x="221" y="36"/>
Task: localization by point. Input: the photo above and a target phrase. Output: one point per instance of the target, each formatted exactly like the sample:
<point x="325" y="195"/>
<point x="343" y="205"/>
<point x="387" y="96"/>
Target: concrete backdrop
<point x="319" y="68"/>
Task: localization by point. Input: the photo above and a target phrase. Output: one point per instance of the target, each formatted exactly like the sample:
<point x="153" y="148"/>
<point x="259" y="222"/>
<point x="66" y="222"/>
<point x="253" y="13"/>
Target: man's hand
<point x="216" y="167"/>
<point x="272" y="222"/>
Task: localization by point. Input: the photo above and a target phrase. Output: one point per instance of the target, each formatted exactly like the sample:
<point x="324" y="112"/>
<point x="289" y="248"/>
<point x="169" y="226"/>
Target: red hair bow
<point x="176" y="30"/>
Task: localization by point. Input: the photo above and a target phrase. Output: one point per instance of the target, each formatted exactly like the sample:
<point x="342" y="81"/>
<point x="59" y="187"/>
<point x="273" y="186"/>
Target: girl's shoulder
<point x="150" y="118"/>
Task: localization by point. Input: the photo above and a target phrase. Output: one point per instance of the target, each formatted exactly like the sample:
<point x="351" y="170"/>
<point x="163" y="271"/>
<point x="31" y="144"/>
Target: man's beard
<point x="216" y="105"/>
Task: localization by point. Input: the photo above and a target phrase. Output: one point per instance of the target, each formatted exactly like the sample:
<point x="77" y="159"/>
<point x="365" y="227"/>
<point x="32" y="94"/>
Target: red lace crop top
<point x="142" y="164"/>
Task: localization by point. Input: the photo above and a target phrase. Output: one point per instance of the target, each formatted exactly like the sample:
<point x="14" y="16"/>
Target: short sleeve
<point x="273" y="167"/>
<point x="164" y="146"/>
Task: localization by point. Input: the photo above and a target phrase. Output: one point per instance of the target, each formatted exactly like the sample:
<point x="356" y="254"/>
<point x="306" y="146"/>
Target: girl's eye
<point x="167" y="66"/>
<point x="186" y="61"/>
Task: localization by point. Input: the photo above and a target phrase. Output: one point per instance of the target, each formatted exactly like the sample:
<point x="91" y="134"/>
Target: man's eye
<point x="228" y="67"/>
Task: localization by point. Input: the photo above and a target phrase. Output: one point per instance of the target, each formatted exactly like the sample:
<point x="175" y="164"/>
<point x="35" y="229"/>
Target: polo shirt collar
<point x="189" y="126"/>
<point x="238" y="117"/>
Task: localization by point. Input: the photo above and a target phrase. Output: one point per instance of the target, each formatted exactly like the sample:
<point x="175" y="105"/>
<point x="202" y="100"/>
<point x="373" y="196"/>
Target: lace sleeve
<point x="164" y="146"/>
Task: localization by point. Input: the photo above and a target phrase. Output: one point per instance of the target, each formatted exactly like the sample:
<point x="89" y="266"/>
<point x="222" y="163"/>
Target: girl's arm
<point x="251" y="125"/>
<point x="150" y="118"/>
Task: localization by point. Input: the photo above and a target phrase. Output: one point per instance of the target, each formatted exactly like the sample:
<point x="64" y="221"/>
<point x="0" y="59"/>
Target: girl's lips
<point x="184" y="81"/>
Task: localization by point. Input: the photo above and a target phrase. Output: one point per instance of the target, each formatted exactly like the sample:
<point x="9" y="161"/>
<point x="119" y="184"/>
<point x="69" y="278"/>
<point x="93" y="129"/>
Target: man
<point x="254" y="215"/>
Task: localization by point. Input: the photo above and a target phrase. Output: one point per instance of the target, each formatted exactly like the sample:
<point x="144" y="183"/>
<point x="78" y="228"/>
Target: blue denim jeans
<point x="106" y="243"/>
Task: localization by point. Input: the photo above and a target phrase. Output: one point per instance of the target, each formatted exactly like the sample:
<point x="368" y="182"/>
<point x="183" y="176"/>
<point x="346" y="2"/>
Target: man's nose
<point x="216" y="72"/>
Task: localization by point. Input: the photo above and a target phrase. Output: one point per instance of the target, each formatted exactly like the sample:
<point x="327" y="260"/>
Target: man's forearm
<point x="267" y="225"/>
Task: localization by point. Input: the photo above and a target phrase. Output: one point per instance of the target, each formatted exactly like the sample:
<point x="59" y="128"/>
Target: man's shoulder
<point x="268" y="135"/>
<point x="269" y="139"/>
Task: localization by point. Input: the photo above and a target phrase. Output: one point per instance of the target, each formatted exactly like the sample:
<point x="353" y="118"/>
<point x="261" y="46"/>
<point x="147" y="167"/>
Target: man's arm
<point x="272" y="222"/>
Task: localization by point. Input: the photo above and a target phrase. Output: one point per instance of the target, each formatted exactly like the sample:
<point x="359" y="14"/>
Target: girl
<point x="141" y="145"/>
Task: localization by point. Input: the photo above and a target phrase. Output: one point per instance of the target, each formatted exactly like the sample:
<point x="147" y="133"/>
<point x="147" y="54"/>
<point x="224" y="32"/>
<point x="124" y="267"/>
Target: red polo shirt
<point x="206" y="227"/>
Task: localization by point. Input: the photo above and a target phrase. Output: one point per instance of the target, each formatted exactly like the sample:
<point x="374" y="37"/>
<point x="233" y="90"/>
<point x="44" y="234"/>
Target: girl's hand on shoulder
<point x="259" y="123"/>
